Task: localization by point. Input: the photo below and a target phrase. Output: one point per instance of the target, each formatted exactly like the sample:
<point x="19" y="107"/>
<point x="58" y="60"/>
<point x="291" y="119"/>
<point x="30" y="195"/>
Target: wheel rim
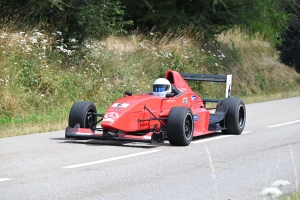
<point x="90" y="118"/>
<point x="188" y="127"/>
<point x="241" y="116"/>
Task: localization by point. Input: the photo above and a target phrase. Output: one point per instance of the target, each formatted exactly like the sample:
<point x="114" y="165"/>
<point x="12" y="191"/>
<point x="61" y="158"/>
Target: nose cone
<point x="124" y="113"/>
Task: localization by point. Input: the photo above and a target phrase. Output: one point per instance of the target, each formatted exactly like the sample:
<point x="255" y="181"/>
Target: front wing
<point x="86" y="133"/>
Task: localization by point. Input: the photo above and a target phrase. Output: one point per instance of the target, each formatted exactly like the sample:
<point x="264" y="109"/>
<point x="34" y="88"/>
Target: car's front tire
<point x="180" y="126"/>
<point x="83" y="113"/>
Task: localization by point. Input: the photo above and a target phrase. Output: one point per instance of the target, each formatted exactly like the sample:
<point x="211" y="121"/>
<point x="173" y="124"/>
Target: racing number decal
<point x="184" y="100"/>
<point x="110" y="117"/>
<point x="122" y="105"/>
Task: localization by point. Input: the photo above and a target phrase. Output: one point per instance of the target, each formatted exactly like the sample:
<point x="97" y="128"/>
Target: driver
<point x="161" y="87"/>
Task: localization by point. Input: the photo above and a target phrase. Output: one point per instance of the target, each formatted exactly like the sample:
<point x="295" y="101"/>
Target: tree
<point x="269" y="17"/>
<point x="290" y="46"/>
<point x="75" y="18"/>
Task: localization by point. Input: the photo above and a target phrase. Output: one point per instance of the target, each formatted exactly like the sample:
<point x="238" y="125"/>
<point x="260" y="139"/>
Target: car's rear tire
<point x="82" y="113"/>
<point x="180" y="126"/>
<point x="235" y="118"/>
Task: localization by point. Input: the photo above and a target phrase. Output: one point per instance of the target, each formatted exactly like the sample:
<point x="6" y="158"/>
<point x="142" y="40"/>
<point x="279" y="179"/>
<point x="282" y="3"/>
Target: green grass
<point x="291" y="197"/>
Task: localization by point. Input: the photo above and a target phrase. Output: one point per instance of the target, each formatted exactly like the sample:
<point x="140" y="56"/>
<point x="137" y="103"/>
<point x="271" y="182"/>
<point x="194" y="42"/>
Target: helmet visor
<point x="160" y="88"/>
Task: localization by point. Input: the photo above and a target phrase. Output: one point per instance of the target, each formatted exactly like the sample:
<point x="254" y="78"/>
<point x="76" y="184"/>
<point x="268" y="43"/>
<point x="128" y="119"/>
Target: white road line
<point x="245" y="132"/>
<point x="216" y="138"/>
<point x="110" y="159"/>
<point x="283" y="124"/>
<point x="4" y="179"/>
<point x="210" y="139"/>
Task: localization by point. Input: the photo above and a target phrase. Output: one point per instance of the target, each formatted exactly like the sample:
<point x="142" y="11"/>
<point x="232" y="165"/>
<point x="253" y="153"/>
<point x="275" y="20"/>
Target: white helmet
<point x="161" y="87"/>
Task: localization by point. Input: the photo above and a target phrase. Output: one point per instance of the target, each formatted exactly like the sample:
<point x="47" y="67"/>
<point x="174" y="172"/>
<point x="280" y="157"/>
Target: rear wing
<point x="211" y="78"/>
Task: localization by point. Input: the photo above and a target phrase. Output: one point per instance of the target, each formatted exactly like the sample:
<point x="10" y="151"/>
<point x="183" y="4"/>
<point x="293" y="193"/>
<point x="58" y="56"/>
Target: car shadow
<point x="93" y="142"/>
<point x="134" y="144"/>
<point x="207" y="136"/>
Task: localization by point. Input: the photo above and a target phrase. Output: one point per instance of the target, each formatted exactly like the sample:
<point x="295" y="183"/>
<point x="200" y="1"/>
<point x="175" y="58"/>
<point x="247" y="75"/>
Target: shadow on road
<point x="134" y="144"/>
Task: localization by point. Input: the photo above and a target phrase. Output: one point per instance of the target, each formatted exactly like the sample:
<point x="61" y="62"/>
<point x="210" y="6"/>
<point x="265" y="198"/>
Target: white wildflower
<point x="58" y="32"/>
<point x="216" y="64"/>
<point x="44" y="48"/>
<point x="44" y="41"/>
<point x="280" y="183"/>
<point x="33" y="40"/>
<point x="104" y="79"/>
<point x="59" y="47"/>
<point x="271" y="192"/>
<point x="73" y="40"/>
<point x="42" y="95"/>
<point x="69" y="52"/>
<point x="22" y="41"/>
<point x="38" y="34"/>
<point x="142" y="45"/>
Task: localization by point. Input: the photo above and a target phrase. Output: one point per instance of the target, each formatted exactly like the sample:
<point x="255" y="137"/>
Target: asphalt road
<point x="47" y="166"/>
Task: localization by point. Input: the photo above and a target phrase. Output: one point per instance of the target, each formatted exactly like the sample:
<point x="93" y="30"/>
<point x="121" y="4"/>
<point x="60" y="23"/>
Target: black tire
<point x="180" y="126"/>
<point x="82" y="113"/>
<point x="235" y="118"/>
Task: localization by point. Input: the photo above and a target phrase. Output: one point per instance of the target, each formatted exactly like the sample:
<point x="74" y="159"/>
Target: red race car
<point x="173" y="111"/>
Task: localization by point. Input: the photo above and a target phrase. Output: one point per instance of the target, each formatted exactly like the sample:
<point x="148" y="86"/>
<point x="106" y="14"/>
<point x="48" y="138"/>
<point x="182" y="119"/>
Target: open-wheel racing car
<point x="178" y="115"/>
